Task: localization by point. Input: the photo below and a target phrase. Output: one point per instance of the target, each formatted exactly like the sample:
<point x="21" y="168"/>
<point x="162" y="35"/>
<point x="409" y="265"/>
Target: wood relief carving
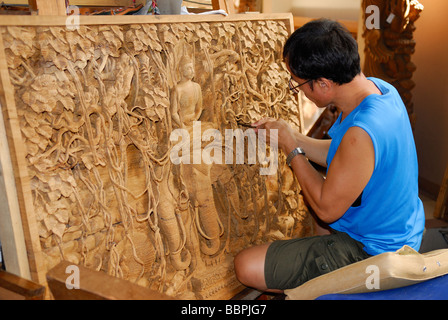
<point x="96" y="109"/>
<point x="389" y="48"/>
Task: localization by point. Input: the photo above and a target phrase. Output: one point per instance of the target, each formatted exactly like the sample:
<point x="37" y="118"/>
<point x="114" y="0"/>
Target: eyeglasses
<point x="294" y="86"/>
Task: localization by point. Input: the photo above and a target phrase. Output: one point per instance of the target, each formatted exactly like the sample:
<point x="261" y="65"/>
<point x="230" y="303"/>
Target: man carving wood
<point x="369" y="197"/>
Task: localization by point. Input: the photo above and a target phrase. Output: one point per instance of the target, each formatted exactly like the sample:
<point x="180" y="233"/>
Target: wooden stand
<point x="58" y="7"/>
<point x="48" y="8"/>
<point x="226" y="5"/>
<point x="95" y="285"/>
<point x="441" y="209"/>
<point x="13" y="287"/>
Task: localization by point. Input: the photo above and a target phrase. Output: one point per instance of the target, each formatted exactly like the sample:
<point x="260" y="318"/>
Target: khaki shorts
<point x="290" y="263"/>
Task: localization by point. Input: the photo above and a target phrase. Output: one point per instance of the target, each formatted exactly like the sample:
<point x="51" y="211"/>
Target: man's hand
<point x="286" y="134"/>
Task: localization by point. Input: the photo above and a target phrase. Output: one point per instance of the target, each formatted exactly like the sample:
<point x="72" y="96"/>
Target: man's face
<point x="313" y="90"/>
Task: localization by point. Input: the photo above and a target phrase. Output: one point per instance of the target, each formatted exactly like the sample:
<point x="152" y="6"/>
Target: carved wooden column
<point x="387" y="37"/>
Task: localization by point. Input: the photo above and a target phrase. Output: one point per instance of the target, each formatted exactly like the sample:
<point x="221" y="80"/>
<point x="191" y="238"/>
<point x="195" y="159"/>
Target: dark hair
<point x="323" y="49"/>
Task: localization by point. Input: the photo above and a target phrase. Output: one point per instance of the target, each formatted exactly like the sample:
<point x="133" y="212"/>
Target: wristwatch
<point x="294" y="153"/>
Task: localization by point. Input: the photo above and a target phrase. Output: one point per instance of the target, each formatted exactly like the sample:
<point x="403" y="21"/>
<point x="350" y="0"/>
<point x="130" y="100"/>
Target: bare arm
<point x="316" y="149"/>
<point x="348" y="174"/>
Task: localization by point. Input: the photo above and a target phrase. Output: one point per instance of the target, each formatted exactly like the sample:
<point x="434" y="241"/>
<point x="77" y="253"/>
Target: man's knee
<point x="241" y="267"/>
<point x="249" y="267"/>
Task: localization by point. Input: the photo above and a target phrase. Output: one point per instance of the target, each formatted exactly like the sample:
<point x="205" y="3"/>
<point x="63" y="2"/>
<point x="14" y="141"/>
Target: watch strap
<point x="294" y="153"/>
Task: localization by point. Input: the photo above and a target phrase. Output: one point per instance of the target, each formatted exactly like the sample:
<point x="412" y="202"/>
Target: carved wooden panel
<point x="90" y="114"/>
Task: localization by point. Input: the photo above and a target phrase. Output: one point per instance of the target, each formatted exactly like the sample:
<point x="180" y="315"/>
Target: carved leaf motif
<point x="13" y="60"/>
<point x="53" y="225"/>
<point x="133" y="37"/>
<point x="151" y="33"/>
<point x="222" y="33"/>
<point x="161" y="101"/>
<point x="52" y="207"/>
<point x="37" y="101"/>
<point x="248" y="36"/>
<point x="68" y="103"/>
<point x="112" y="40"/>
<point x="169" y="37"/>
<point x="229" y="28"/>
<point x="205" y="35"/>
<point x="21" y="42"/>
<point x="118" y="32"/>
<point x="30" y="134"/>
<point x="45" y="130"/>
<point x="143" y="37"/>
<point x="58" y="33"/>
<point x="31" y="118"/>
<point x="62" y="216"/>
<point x="31" y="148"/>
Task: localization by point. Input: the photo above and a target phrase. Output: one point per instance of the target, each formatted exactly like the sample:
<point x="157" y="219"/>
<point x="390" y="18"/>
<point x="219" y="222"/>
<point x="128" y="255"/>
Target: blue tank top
<point x="390" y="213"/>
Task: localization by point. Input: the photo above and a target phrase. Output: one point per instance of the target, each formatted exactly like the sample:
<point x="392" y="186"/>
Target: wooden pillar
<point x="266" y="6"/>
<point x="12" y="235"/>
<point x="11" y="228"/>
<point x="48" y="7"/>
<point x="387" y="41"/>
<point x="227" y="5"/>
<point x="25" y="251"/>
<point x="441" y="208"/>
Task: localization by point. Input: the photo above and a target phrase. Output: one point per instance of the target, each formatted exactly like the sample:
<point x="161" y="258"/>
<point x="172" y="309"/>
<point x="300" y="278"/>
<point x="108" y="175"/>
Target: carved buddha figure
<point x="187" y="96"/>
<point x="186" y="107"/>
